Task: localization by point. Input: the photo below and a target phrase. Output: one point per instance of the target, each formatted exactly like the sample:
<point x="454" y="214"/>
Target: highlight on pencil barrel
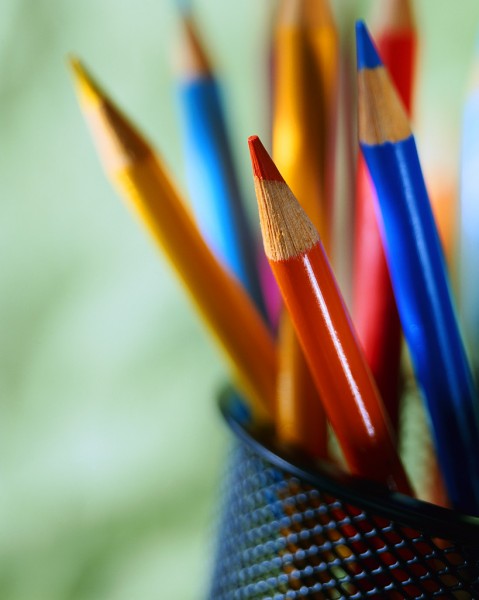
<point x="419" y="277"/>
<point x="130" y="162"/>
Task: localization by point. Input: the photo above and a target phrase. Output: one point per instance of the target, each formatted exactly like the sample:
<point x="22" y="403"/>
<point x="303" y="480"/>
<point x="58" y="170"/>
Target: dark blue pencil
<point x="419" y="277"/>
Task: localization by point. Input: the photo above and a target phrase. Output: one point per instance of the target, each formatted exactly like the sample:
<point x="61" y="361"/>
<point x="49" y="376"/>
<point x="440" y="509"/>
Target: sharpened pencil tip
<point x="119" y="143"/>
<point x="367" y="54"/>
<point x="285" y="227"/>
<point x="87" y="88"/>
<point x="73" y="62"/>
<point x="263" y="165"/>
<point x="192" y="59"/>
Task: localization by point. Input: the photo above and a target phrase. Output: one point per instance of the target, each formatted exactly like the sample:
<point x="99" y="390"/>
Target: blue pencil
<point x="469" y="223"/>
<point x="419" y="277"/>
<point x="213" y="186"/>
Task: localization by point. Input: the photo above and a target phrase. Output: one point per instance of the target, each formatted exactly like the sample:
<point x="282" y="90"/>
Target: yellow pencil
<point x="306" y="76"/>
<point x="131" y="164"/>
<point x="305" y="83"/>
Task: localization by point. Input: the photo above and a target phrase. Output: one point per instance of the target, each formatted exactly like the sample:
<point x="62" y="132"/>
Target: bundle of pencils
<point x="333" y="368"/>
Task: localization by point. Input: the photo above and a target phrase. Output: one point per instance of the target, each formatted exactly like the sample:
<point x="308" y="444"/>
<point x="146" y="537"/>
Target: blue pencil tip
<point x="367" y="55"/>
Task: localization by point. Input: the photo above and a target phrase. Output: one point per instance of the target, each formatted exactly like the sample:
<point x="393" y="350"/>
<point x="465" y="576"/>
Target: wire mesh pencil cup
<point x="291" y="531"/>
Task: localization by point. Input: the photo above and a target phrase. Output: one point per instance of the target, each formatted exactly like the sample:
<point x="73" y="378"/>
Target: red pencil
<point x="374" y="311"/>
<point x="319" y="315"/>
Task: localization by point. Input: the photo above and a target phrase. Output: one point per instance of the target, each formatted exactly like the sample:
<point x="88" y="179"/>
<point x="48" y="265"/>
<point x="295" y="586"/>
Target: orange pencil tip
<point x="263" y="165"/>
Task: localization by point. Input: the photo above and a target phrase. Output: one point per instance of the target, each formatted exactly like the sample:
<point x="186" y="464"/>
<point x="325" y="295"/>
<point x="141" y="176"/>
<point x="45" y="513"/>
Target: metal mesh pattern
<point x="281" y="538"/>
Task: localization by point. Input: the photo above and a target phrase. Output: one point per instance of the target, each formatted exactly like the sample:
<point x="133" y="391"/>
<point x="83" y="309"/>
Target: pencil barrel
<point x="290" y="531"/>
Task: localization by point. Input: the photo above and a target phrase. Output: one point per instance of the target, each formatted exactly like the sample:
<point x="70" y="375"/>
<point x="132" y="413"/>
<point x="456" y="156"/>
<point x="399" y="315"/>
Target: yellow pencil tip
<point x="88" y="90"/>
<point x="74" y="63"/>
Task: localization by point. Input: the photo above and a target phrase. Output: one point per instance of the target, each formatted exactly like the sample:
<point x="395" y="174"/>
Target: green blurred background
<point x="111" y="450"/>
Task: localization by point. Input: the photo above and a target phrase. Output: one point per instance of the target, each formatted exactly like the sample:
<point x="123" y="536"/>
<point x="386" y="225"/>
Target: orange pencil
<point x="320" y="317"/>
<point x="374" y="311"/>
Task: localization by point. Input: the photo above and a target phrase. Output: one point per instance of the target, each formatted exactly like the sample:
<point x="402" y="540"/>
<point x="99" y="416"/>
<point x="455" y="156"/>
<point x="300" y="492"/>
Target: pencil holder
<point x="291" y="530"/>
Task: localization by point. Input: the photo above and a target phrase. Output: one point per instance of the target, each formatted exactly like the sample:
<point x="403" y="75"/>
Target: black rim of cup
<point x="428" y="518"/>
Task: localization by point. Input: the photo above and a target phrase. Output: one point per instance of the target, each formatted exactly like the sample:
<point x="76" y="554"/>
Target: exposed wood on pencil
<point x="193" y="62"/>
<point x="119" y="145"/>
<point x="382" y="117"/>
<point x="282" y="242"/>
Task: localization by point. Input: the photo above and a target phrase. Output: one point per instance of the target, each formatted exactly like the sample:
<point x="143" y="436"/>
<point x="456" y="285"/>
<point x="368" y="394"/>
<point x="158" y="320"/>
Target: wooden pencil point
<point x="192" y="58"/>
<point x="88" y="90"/>
<point x="382" y="116"/>
<point x="119" y="143"/>
<point x="287" y="230"/>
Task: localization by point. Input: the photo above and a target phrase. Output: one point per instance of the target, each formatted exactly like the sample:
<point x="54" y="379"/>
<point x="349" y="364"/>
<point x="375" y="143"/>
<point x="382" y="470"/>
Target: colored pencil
<point x="131" y="164"/>
<point x="312" y="297"/>
<point x="299" y="415"/>
<point x="301" y="126"/>
<point x="213" y="186"/>
<point x="306" y="71"/>
<point x="469" y="220"/>
<point x="374" y="310"/>
<point x="419" y="277"/>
